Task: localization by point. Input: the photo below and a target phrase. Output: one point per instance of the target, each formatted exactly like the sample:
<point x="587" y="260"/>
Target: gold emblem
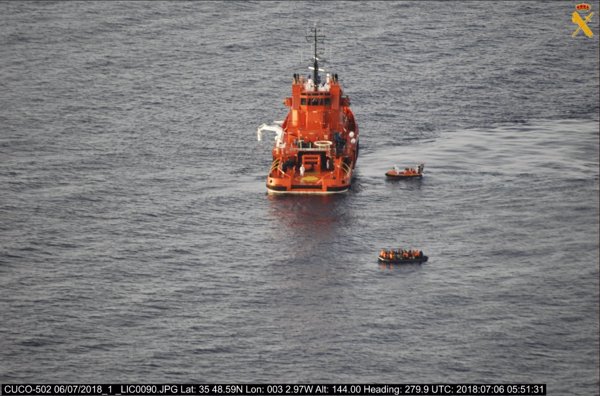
<point x="581" y="22"/>
<point x="309" y="179"/>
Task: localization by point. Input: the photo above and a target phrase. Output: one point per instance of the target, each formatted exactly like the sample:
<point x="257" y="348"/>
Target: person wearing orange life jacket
<point x="382" y="253"/>
<point x="404" y="254"/>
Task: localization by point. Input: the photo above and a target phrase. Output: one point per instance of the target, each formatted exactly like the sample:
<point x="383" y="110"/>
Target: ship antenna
<point x="316" y="62"/>
<point x="315" y="67"/>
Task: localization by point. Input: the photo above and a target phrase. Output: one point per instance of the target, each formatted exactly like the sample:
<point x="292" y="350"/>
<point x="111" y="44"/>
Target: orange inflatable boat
<point x="407" y="173"/>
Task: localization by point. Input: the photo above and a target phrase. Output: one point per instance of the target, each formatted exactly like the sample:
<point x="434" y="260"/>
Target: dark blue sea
<point x="138" y="244"/>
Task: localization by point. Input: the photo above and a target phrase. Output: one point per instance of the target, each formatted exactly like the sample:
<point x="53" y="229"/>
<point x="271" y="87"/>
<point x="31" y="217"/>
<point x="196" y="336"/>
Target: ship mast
<point x="315" y="66"/>
<point x="316" y="62"/>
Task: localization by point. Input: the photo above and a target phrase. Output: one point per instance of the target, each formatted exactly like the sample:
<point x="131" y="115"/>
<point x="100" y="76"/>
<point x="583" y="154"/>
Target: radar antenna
<point x="317" y="39"/>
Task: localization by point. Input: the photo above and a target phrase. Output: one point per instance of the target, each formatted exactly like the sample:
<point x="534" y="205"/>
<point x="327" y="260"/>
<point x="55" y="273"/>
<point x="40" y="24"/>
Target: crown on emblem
<point x="583" y="7"/>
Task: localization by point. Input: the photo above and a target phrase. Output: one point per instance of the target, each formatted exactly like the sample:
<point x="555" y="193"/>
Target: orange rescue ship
<point x="316" y="146"/>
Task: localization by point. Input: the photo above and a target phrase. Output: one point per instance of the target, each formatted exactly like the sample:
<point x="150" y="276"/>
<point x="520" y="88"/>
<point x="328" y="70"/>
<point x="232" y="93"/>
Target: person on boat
<point x="339" y="142"/>
<point x="309" y="85"/>
<point x="288" y="164"/>
<point x="302" y="170"/>
<point x="404" y="254"/>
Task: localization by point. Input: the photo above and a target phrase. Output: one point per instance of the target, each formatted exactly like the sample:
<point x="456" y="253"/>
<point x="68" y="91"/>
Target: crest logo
<point x="583" y="7"/>
<point x="582" y="22"/>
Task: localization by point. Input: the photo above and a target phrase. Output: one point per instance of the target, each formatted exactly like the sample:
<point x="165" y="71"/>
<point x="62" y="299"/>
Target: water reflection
<point x="310" y="235"/>
<point x="307" y="224"/>
<point x="402" y="268"/>
<point x="407" y="184"/>
<point x="315" y="213"/>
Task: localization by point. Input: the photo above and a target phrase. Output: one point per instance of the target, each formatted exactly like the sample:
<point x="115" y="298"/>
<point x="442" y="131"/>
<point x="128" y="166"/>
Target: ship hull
<point x="416" y="260"/>
<point x="393" y="176"/>
<point x="307" y="190"/>
<point x="312" y="184"/>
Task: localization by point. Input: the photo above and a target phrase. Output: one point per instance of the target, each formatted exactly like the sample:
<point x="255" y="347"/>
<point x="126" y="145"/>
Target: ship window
<point x="315" y="101"/>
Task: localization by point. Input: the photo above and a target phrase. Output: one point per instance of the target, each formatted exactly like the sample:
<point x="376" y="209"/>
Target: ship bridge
<point x="316" y="112"/>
